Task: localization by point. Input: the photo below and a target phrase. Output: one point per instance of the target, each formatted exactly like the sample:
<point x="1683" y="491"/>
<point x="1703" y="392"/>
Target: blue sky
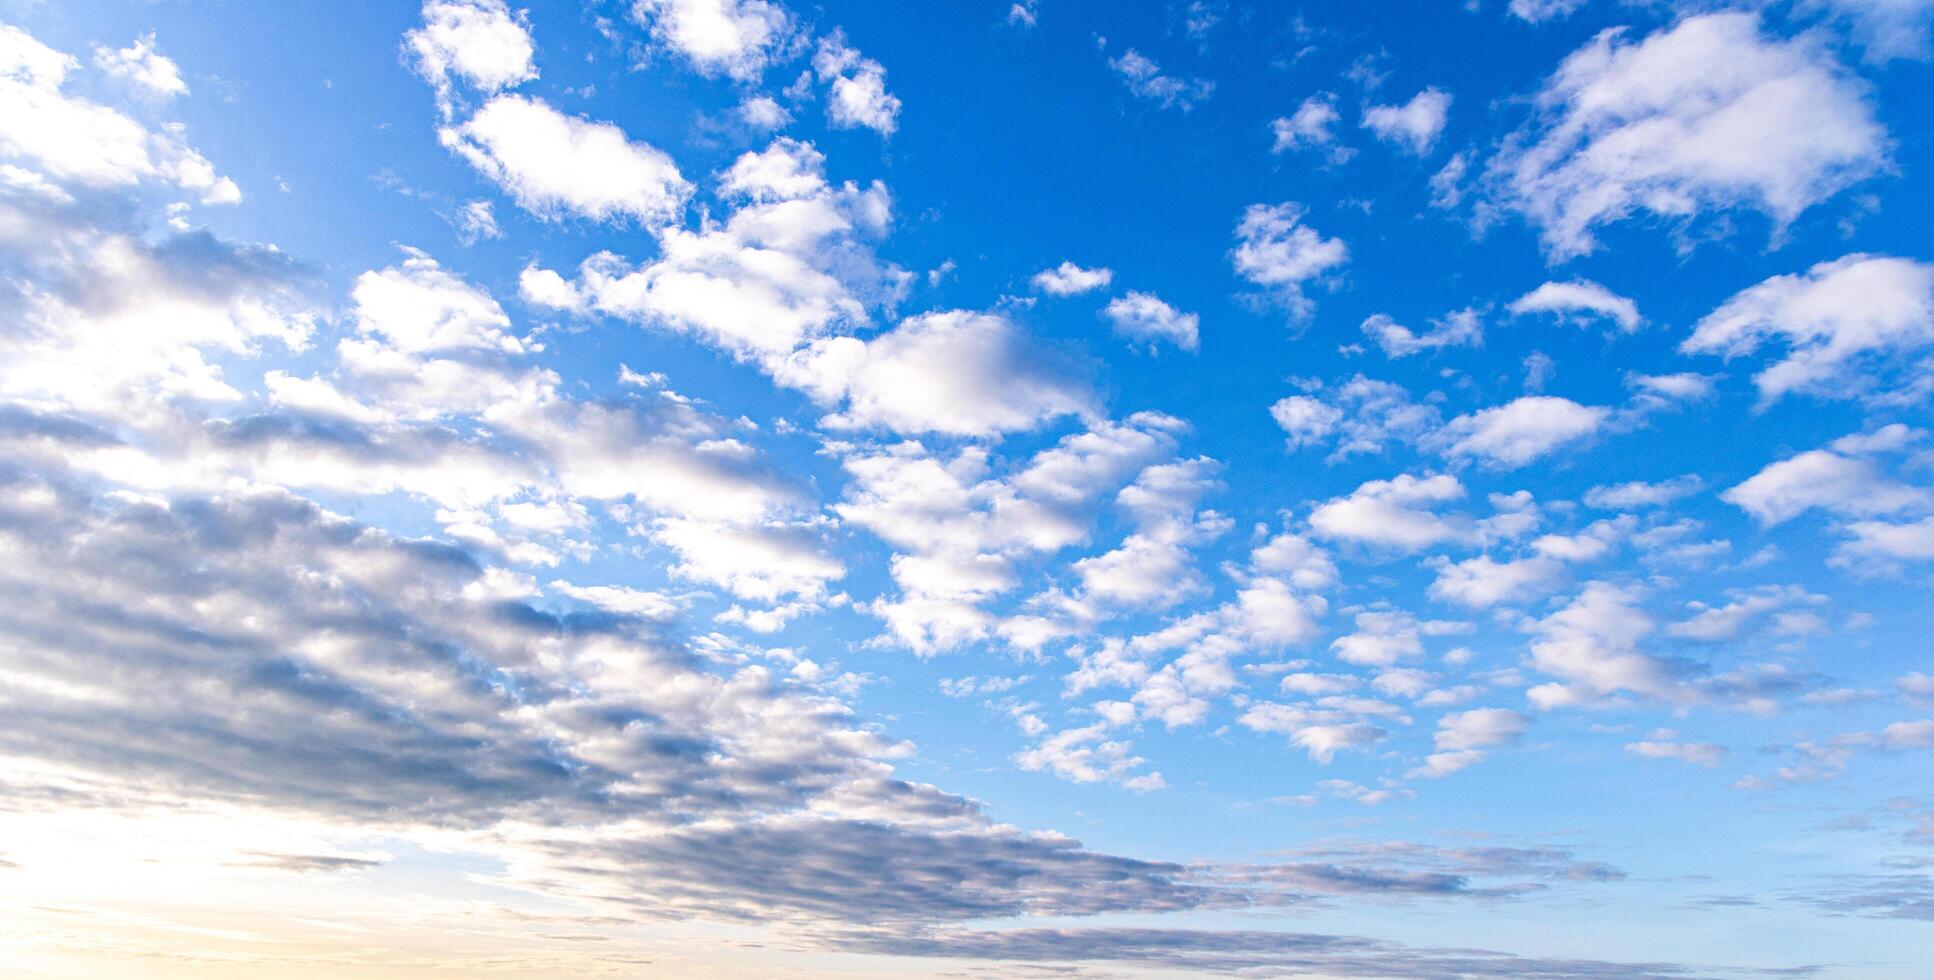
<point x="720" y="487"/>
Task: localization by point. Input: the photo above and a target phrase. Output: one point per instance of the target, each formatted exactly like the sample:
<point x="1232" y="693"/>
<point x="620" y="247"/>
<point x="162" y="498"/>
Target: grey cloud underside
<point x="1245" y="952"/>
<point x="255" y="649"/>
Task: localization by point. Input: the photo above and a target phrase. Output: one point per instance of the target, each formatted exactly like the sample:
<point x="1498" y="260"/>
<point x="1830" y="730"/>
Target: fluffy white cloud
<point x="1383" y="638"/>
<point x="1393" y="513"/>
<point x="750" y="561"/>
<point x="1297" y="560"/>
<point x="1648" y="126"/>
<point x="857" y="94"/>
<point x="1483" y="581"/>
<point x="1363" y="414"/>
<point x="1713" y="624"/>
<point x="1594" y="646"/>
<point x="787" y="268"/>
<point x="1310" y="128"/>
<point x="418" y="307"/>
<point x="1462" y="328"/>
<point x="1320" y="731"/>
<point x="1842" y="478"/>
<point x="104" y="319"/>
<point x="479" y="41"/>
<point x="1087" y="755"/>
<point x="555" y="165"/>
<point x="1415" y="125"/>
<point x="71" y="139"/>
<point x="959" y="528"/>
<point x="1145" y="317"/>
<point x="1882" y="544"/>
<point x="1277" y="251"/>
<point x="1579" y="301"/>
<point x="1144" y="78"/>
<point x="1516" y="433"/>
<point x="763" y="112"/>
<point x="143" y="67"/>
<point x="1068" y="279"/>
<point x="1462" y="738"/>
<point x="953" y="372"/>
<point x="737" y="38"/>
<point x="775" y="283"/>
<point x="1839" y="321"/>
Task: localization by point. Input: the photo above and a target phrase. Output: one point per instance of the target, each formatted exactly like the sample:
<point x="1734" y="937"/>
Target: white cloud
<point x="1888" y="29"/>
<point x="1144" y="78"/>
<point x="1839" y="321"/>
<point x="1364" y="415"/>
<point x="1068" y="279"/>
<point x="1086" y="755"/>
<point x="958" y="529"/>
<point x="1884" y="543"/>
<point x="736" y="38"/>
<point x="1594" y="646"/>
<point x="1383" y="638"/>
<point x="479" y="41"/>
<point x="1310" y="129"/>
<point x="1648" y="126"/>
<point x="1277" y="251"/>
<point x="1713" y="624"/>
<point x="1415" y="125"/>
<point x="1392" y="513"/>
<point x="1841" y="478"/>
<point x="790" y="266"/>
<point x="1153" y="567"/>
<point x="1516" y="433"/>
<point x="1294" y="558"/>
<point x="1144" y="317"/>
<point x="75" y="141"/>
<point x="1307" y="420"/>
<point x="763" y="112"/>
<point x="620" y="599"/>
<point x="1321" y="732"/>
<point x="555" y="165"/>
<point x="858" y="95"/>
<point x="1462" y="738"/>
<point x="476" y="221"/>
<point x="1483" y="581"/>
<point x="142" y="66"/>
<point x="1639" y="494"/>
<point x="1696" y="753"/>
<point x="762" y="562"/>
<point x="1568" y="300"/>
<point x="418" y="307"/>
<point x="1538" y="11"/>
<point x="954" y="372"/>
<point x="1462" y="328"/>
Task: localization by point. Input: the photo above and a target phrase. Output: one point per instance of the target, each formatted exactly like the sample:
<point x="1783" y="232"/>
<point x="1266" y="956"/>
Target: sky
<point x="978" y="489"/>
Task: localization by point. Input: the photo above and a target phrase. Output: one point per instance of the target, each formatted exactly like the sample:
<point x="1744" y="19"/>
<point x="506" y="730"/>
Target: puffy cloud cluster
<point x="556" y="165"/>
<point x="1277" y="251"/>
<point x="1145" y="79"/>
<point x="480" y="42"/>
<point x="787" y="277"/>
<point x="1842" y="323"/>
<point x="72" y="140"/>
<point x="1629" y="126"/>
<point x="737" y="38"/>
<point x="1415" y="125"/>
